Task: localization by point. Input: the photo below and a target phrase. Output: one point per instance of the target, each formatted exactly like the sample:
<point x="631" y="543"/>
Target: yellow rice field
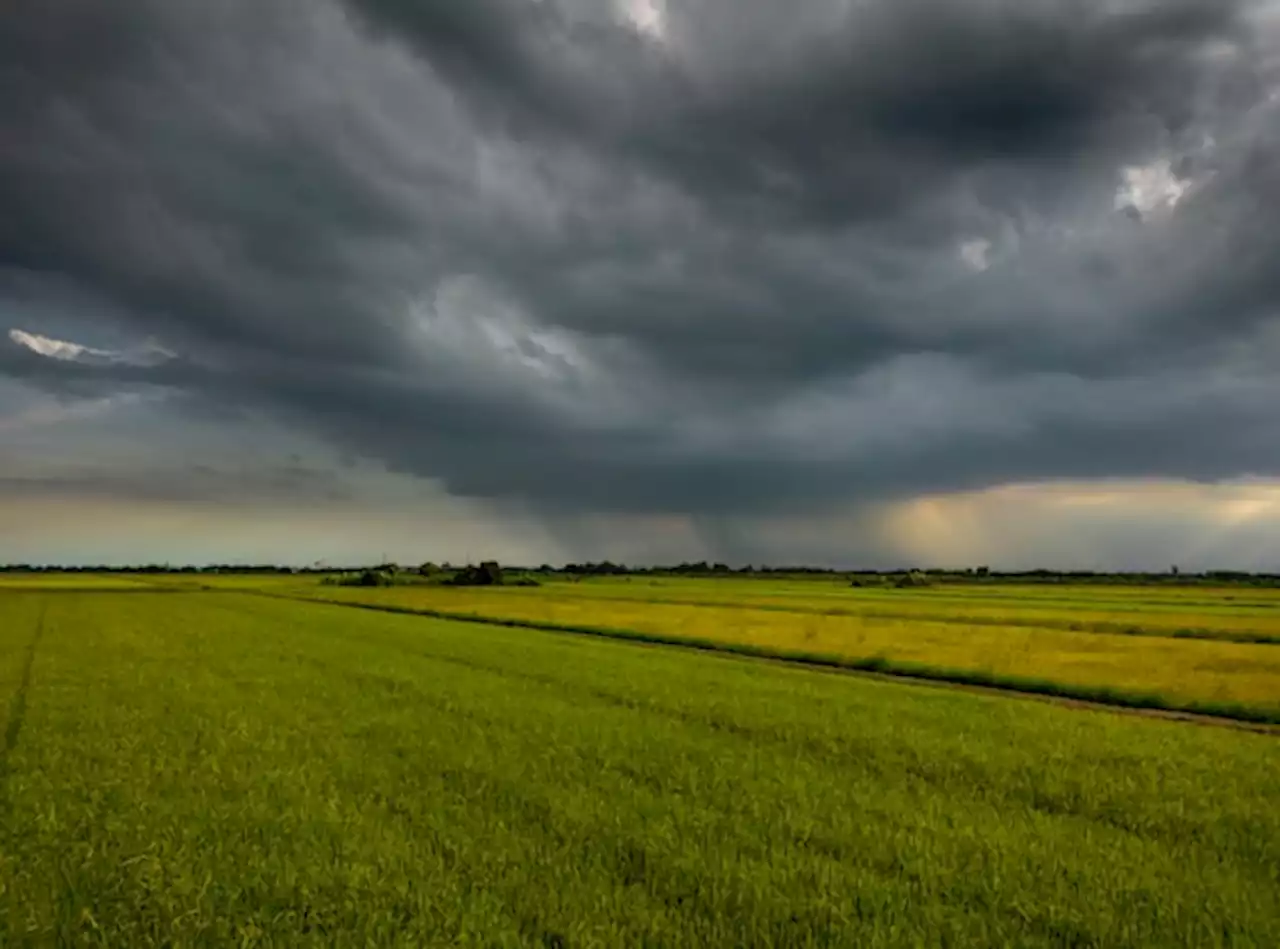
<point x="1224" y="615"/>
<point x="1191" y="670"/>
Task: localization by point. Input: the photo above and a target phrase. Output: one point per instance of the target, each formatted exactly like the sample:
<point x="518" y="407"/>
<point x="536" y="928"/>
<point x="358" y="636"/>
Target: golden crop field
<point x="1226" y="615"/>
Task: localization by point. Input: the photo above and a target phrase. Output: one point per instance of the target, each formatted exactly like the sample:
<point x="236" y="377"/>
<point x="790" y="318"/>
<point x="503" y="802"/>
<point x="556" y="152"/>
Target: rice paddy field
<point x="233" y="766"/>
<point x="1214" y="651"/>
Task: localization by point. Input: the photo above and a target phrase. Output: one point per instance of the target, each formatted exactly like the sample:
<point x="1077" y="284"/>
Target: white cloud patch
<point x="59" y="349"/>
<point x="1150" y="187"/>
<point x="470" y="328"/>
<point x="976" y="253"/>
<point x="149" y="354"/>
<point x="647" y="16"/>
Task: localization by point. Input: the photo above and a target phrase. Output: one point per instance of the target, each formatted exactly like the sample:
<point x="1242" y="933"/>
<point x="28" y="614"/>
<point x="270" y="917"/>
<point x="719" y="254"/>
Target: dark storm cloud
<point x="832" y="114"/>
<point x="765" y="255"/>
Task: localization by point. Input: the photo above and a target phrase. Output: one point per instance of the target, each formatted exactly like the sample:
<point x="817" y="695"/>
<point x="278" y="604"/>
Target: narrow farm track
<point x="18" y="705"/>
<point x="17" y="711"/>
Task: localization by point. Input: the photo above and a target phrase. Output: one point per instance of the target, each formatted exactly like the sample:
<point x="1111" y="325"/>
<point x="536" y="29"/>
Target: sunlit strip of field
<point x="1108" y="595"/>
<point x="1221" y="617"/>
<point x="1248" y="628"/>
<point x="68" y="581"/>
<point x="220" y="769"/>
<point x="1220" y="677"/>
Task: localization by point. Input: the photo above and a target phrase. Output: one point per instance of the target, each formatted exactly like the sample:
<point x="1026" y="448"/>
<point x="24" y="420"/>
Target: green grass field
<point x="229" y="769"/>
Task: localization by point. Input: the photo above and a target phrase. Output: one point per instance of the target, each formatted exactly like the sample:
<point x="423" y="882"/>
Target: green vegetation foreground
<point x="214" y="769"/>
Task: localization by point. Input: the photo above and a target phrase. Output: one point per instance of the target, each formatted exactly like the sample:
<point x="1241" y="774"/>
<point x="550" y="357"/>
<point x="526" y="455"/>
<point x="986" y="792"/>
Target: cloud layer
<point x="704" y="257"/>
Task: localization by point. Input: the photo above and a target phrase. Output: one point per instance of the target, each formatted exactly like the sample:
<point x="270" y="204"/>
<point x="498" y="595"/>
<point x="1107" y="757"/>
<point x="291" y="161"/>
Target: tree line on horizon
<point x="701" y="568"/>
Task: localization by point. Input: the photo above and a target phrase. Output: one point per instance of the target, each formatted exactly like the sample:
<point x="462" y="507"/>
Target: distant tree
<point x="487" y="574"/>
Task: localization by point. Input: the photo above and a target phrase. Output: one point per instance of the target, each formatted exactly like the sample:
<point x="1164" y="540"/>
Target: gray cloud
<point x="534" y="253"/>
<point x="191" y="483"/>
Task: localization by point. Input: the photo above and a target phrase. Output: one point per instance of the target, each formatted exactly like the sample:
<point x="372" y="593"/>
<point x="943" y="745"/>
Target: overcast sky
<point x="855" y="282"/>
